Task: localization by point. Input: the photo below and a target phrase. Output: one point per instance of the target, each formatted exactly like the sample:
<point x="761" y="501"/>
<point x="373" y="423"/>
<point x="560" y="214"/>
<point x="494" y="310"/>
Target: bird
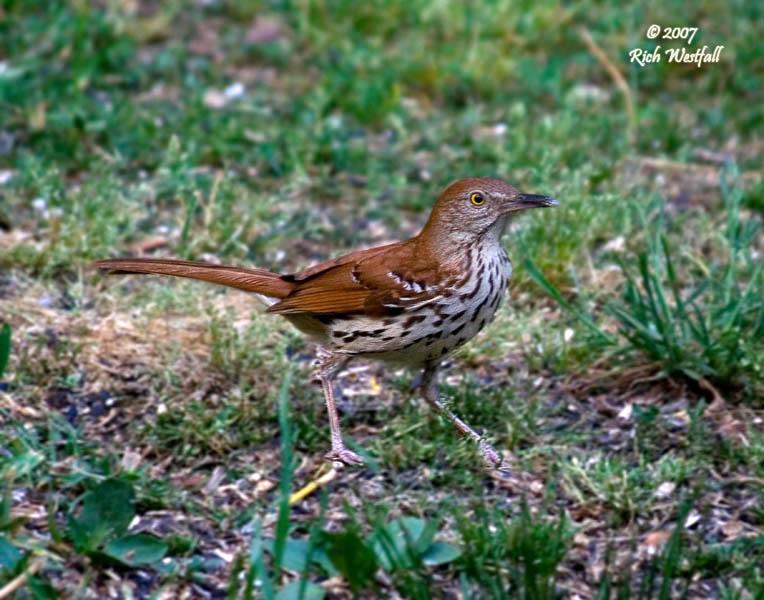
<point x="409" y="303"/>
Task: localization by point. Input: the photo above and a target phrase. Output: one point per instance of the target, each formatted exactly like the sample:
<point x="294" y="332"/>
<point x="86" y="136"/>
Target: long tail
<point x="258" y="281"/>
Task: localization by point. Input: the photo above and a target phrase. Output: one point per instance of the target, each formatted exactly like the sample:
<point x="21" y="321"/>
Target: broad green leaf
<point x="42" y="589"/>
<point x="136" y="550"/>
<point x="352" y="557"/>
<point x="397" y="544"/>
<point x="80" y="535"/>
<point x="296" y="555"/>
<point x="9" y="555"/>
<point x="107" y="511"/>
<point x="310" y="591"/>
<point x="440" y="553"/>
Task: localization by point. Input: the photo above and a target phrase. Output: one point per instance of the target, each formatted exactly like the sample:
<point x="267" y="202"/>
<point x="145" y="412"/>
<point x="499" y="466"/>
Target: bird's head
<point x="471" y="208"/>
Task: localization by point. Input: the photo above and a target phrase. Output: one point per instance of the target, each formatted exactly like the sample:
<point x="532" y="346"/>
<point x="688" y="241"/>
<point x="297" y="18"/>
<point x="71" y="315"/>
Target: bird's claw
<point x="491" y="458"/>
<point x="343" y="456"/>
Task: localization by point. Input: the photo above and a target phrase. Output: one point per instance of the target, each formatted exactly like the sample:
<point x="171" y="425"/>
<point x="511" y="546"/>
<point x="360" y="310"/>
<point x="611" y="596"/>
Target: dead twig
<point x="616" y="76"/>
<point x="718" y="401"/>
<point x="311" y="487"/>
<point x="614" y="378"/>
<point x="9" y="588"/>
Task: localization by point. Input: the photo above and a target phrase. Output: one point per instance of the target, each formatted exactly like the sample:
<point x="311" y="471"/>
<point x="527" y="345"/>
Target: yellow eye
<point x="477" y="198"/>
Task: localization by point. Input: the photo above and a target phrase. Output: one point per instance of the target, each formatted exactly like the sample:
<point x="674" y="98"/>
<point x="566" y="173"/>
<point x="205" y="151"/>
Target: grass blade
<point x="5" y="347"/>
<point x="544" y="284"/>
<point x="282" y="524"/>
<point x="257" y="568"/>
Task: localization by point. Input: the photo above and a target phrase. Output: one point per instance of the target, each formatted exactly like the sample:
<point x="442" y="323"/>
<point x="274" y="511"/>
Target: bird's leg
<point x="431" y="394"/>
<point x="328" y="365"/>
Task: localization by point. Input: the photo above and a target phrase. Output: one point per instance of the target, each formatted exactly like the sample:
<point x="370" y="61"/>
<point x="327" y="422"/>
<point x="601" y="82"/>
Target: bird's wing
<point x="365" y="283"/>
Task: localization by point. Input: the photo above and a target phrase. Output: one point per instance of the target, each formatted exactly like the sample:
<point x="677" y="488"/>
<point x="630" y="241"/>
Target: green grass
<point x="704" y="326"/>
<point x="279" y="134"/>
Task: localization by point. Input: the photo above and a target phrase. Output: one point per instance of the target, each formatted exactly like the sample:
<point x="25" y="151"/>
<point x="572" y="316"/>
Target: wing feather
<point x="363" y="283"/>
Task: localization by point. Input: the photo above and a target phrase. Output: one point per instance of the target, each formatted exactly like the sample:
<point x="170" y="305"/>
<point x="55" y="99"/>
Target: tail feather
<point x="258" y="281"/>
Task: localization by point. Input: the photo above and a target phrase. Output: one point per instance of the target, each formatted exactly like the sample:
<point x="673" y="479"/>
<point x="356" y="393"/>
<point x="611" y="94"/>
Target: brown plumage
<point x="411" y="302"/>
<point x="250" y="280"/>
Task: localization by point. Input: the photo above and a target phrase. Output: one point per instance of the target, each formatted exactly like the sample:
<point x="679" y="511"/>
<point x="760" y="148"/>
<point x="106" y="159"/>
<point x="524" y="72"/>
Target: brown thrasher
<point x="408" y="303"/>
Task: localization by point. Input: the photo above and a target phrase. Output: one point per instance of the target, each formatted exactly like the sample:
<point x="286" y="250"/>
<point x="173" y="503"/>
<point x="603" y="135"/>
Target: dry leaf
<point x="732" y="529"/>
<point x="265" y="29"/>
<point x="665" y="489"/>
<point x="625" y="413"/>
<point x="654" y="541"/>
<point x="214" y="98"/>
<point x="147" y="245"/>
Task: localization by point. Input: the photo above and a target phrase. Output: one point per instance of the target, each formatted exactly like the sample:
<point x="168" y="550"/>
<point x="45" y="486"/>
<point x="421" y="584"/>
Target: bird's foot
<point x="491" y="458"/>
<point x="342" y="456"/>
